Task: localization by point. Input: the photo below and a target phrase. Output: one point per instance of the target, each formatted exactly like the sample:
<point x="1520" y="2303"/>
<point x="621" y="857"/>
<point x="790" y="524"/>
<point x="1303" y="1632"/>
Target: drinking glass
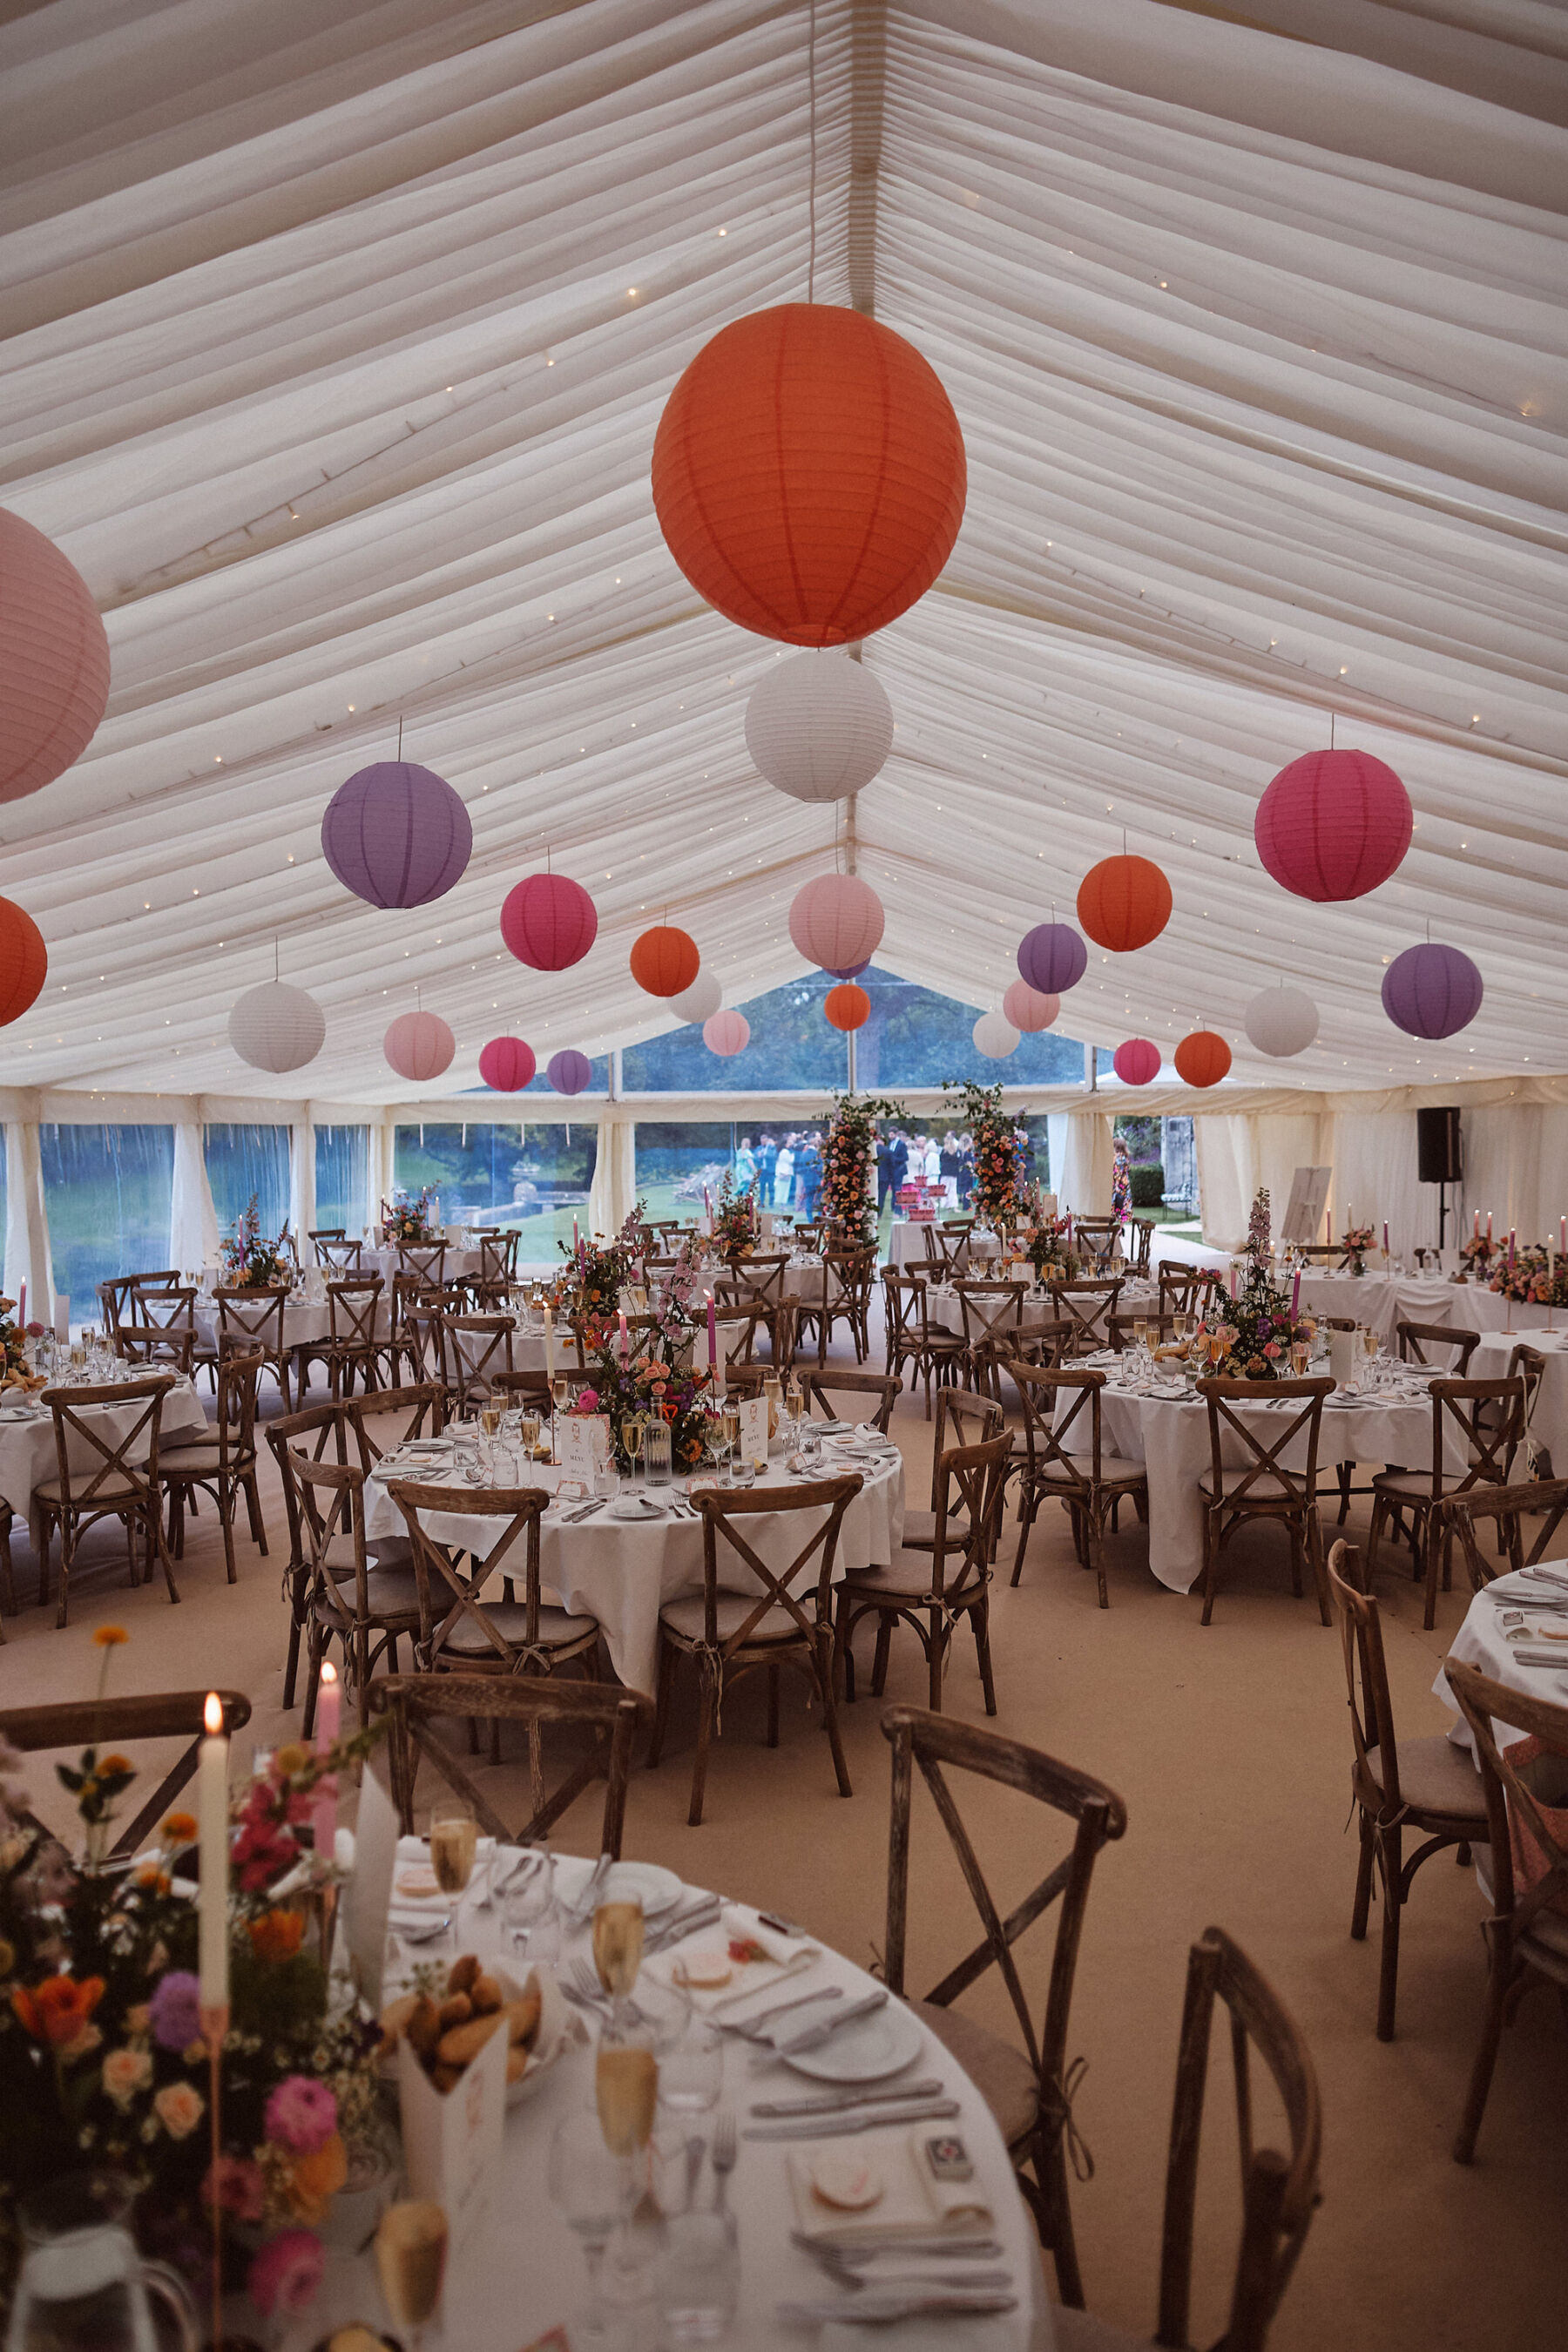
<point x="631" y="1438"/>
<point x="691" y="2069"/>
<point x="1301" y="1357"/>
<point x="626" y="2089"/>
<point x="657" y="1461"/>
<point x="411" y="2262"/>
<point x="618" y="1945"/>
<point x="454" y="1839"/>
<point x="1178" y="1325"/>
<point x="532" y="1920"/>
<point x="730" y="1422"/>
<point x="490" y="1420"/>
<point x="593" y="2187"/>
<point x="528" y="1434"/>
<point x="699" y="2278"/>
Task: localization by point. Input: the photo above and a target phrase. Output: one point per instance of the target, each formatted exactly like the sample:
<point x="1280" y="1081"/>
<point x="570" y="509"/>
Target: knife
<point x="812" y="2036"/>
<point x="869" y="2309"/>
<point x="859" y="2120"/>
<point x="752" y="2027"/>
<point x="929" y="2089"/>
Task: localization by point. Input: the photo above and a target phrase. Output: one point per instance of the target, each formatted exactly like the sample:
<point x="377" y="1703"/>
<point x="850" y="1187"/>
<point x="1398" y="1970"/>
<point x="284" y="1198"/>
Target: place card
<point x="369" y="1891"/>
<point x="754" y="1431"/>
<point x="452" y="2139"/>
<point x="582" y="1444"/>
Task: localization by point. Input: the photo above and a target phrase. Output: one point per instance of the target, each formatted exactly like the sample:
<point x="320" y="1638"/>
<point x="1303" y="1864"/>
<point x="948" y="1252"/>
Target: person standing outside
<point x="783" y="1175"/>
<point x="767" y="1163"/>
<point x="884" y="1171"/>
<point x="900" y="1162"/>
<point x="745" y="1166"/>
<point x="965" y="1169"/>
<point x="811" y="1177"/>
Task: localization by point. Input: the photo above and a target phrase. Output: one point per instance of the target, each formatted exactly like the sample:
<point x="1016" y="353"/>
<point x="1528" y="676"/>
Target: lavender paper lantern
<point x="396" y="835"/>
<point x="850" y="972"/>
<point x="836" y="921"/>
<point x="569" y="1071"/>
<point x="1136" y="1061"/>
<point x="1432" y="990"/>
<point x="419" y="1045"/>
<point x="507" y="1064"/>
<point x="727" y="1033"/>
<point x="1052" y="958"/>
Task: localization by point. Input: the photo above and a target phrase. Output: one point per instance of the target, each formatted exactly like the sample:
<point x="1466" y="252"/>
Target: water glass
<point x="699" y="2278"/>
<point x="691" y="2069"/>
<point x="532" y="1920"/>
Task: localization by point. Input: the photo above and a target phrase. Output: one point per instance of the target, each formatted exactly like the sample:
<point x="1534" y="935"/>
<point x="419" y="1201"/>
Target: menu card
<point x="452" y="2139"/>
<point x="369" y="1891"/>
<point x="754" y="1431"/>
<point x="582" y="1444"/>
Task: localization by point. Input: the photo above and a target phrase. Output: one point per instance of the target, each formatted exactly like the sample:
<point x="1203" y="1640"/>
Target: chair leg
<point x="1486" y="2059"/>
<point x="1056" y="2215"/>
<point x="982" y="1617"/>
<point x="1379" y="1515"/>
<point x="822" y="1662"/>
<point x="1362" y="1905"/>
<point x="1319" y="1565"/>
<point x="661" y="1708"/>
<point x="772" y="1706"/>
<point x="1211" y="1562"/>
<point x="1094" y="1543"/>
<point x="1344" y="1492"/>
<point x="705" y="1704"/>
<point x="253" y="1504"/>
<point x="936" y="1659"/>
<point x="1432" y="1544"/>
<point x="226" y="1500"/>
<point x="884" y="1645"/>
<point x="1028" y="1504"/>
<point x="1389" y="1861"/>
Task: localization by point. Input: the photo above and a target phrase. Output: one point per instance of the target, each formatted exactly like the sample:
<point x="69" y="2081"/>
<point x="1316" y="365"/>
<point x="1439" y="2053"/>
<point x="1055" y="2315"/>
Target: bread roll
<point x="465" y="2041"/>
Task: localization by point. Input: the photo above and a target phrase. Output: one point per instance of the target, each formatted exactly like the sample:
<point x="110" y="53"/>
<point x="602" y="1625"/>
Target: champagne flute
<point x="729" y="1420"/>
<point x="528" y="1434"/>
<point x="593" y="2185"/>
<point x="411" y="2262"/>
<point x="1300" y="1356"/>
<point x="454" y="1839"/>
<point x="560" y="1396"/>
<point x="490" y="1420"/>
<point x="626" y="2091"/>
<point x="618" y="1945"/>
<point x="631" y="1438"/>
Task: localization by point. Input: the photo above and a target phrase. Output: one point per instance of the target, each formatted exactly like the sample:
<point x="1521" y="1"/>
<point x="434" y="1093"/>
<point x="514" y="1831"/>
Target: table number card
<point x="369" y="1891"/>
<point x="754" y="1431"/>
<point x="582" y="1444"/>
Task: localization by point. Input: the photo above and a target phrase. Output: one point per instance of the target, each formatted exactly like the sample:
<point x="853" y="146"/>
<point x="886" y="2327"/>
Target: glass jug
<point x="656" y="1453"/>
<point x="83" y="2287"/>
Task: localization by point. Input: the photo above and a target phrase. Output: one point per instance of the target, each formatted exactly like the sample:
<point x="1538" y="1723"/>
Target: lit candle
<point x="621" y="1319"/>
<point x="1477" y="1225"/>
<point x="1350" y="1216"/>
<point x="576" y="1242"/>
<point x="1489" y="1225"/>
<point x="1562" y="1244"/>
<point x="211" y="1819"/>
<point x="712" y="1332"/>
<point x="22" y="1307"/>
<point x="1385" y="1237"/>
<point x="328" y="1715"/>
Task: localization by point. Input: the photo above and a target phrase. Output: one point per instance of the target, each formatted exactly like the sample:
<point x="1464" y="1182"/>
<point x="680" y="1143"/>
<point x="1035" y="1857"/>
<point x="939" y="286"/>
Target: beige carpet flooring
<point x="1230" y="1747"/>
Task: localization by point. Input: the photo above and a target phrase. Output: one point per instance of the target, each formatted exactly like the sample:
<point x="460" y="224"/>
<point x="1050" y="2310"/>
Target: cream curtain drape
<point x="27" y="1257"/>
<point x="302" y="1184"/>
<point x="1082" y="1160"/>
<point x="193" y="1215"/>
<point x="614" y="1193"/>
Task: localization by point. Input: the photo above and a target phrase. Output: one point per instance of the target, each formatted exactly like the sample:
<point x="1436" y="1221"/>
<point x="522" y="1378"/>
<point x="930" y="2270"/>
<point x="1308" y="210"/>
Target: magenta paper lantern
<point x="1027" y="1010"/>
<point x="1136" y="1061"/>
<point x="727" y="1033"/>
<point x="1432" y="990"/>
<point x="1334" y="824"/>
<point x="419" y="1045"/>
<point x="54" y="660"/>
<point x="396" y="835"/>
<point x="507" y="1064"/>
<point x="569" y="1071"/>
<point x="837" y="921"/>
<point x="549" y="921"/>
<point x="1052" y="958"/>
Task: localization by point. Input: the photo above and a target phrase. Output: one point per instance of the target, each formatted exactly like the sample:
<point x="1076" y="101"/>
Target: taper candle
<point x="329" y="1715"/>
<point x="212" y="1822"/>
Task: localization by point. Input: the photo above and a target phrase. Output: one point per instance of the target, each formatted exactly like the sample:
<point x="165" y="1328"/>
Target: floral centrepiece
<point x="407" y="1221"/>
<point x="1355" y="1241"/>
<point x="14" y="1373"/>
<point x="995" y="1200"/>
<point x="737" y="1226"/>
<point x="1256" y="1326"/>
<point x="1533" y="1276"/>
<point x="250" y="1260"/>
<point x="654" y="1375"/>
<point x="1477" y="1254"/>
<point x="1047" y="1244"/>
<point x="588" y="1287"/>
<point x="848" y="1167"/>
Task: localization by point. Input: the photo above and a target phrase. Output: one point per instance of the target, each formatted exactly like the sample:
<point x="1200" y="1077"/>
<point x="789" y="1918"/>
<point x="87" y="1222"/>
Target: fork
<point x="722" y="2154"/>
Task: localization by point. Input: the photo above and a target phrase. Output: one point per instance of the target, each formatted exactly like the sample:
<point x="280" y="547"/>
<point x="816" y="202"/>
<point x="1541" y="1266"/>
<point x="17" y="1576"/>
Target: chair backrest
<point x="103" y="1458"/>
<point x="1415" y="1339"/>
<point x="760" y="1277"/>
<point x="1262" y="1475"/>
<point x="337" y="1253"/>
<point x="426" y="1260"/>
<point x="1488" y="1418"/>
<point x="1507" y="1505"/>
<point x="963" y="1418"/>
<point x="739" y="1323"/>
<point x="527" y="1391"/>
<point x="115" y="1297"/>
<point x="1527" y="1364"/>
<point x="419" y="1410"/>
<point x="1366" y="1683"/>
<point x="1124" y="1327"/>
<point x="118" y="1722"/>
<point x="423" y="1339"/>
<point x="1141" y="1231"/>
<point x="1280" y="2193"/>
<point x="312" y="1430"/>
<point x="332" y="1510"/>
<point x="937" y="1742"/>
<point x="724" y="1510"/>
<point x="352" y="1307"/>
<point x="970" y="1481"/>
<point x="947" y="1244"/>
<point x="1061" y="1423"/>
<point x="238" y="1381"/>
<point x="1521" y="1825"/>
<point x="254" y="1316"/>
<point x="1101" y="1237"/>
<point x="156" y="1350"/>
<point x="449" y="1599"/>
<point x="990" y="1309"/>
<point x="837" y="1394"/>
<point x="497" y="1256"/>
<point x="416" y="1704"/>
<point x="1088" y="1305"/>
<point x="478" y="1345"/>
<point x="163" y="1306"/>
<point x="1181" y="1286"/>
<point x="901" y="1296"/>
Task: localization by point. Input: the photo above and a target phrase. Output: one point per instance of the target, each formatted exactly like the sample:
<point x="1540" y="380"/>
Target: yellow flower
<point x="291" y="1757"/>
<point x="110" y="1637"/>
<point x="315" y="2181"/>
<point x="180" y="1829"/>
<point x="179" y="2110"/>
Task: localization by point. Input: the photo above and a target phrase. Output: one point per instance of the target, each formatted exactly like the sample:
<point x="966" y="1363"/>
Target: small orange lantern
<point x="23" y="961"/>
<point x="1203" y="1058"/>
<point x="848" y="1006"/>
<point x="665" y="960"/>
<point x="1123" y="903"/>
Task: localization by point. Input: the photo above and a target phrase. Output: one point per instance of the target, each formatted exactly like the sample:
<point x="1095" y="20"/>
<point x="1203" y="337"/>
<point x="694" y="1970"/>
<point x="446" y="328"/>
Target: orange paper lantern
<point x="848" y="1006"/>
<point x="665" y="960"/>
<point x="1123" y="903"/>
<point x="1203" y="1058"/>
<point x="23" y="961"/>
<point x="809" y="474"/>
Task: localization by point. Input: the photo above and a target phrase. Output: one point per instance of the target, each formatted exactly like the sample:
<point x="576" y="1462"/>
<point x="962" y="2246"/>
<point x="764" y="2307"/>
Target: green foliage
<point x="1148" y="1187"/>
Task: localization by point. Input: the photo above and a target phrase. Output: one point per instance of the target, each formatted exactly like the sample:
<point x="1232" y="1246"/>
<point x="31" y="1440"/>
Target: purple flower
<point x="286" y="2273"/>
<point x="302" y="2115"/>
<point x="175" y="2010"/>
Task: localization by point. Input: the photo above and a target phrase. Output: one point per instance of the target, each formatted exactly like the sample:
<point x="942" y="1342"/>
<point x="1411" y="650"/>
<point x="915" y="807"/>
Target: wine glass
<point x="631" y="1438"/>
<point x="454" y="1841"/>
<point x="730" y="1422"/>
<point x="1301" y="1357"/>
<point x="490" y="1420"/>
<point x="618" y="1945"/>
<point x="593" y="2185"/>
<point x="411" y="2262"/>
<point x="528" y="1434"/>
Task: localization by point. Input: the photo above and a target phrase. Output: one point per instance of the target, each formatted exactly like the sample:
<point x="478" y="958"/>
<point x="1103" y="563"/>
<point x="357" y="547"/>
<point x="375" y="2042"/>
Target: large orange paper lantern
<point x="665" y="960"/>
<point x="847" y="1006"/>
<point x="1123" y="903"/>
<point x="809" y="474"/>
<point x="23" y="961"/>
<point x="54" y="660"/>
<point x="1203" y="1059"/>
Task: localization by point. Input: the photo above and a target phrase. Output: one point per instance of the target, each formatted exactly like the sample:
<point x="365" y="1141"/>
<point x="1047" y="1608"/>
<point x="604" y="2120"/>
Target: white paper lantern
<point x="819" y="725"/>
<point x="1282" y="1021"/>
<point x="837" y="921"/>
<point x="726" y="1033"/>
<point x="995" y="1036"/>
<point x="274" y="1027"/>
<point x="704" y="996"/>
<point x="419" y="1045"/>
<point x="1029" y="1009"/>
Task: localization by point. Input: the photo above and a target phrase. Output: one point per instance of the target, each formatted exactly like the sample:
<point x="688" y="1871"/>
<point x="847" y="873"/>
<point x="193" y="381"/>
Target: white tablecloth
<point x="907" y="1243"/>
<point x="945" y="1306"/>
<point x="523" y="2273"/>
<point x="622" y="1571"/>
<point x="1171" y="1437"/>
<point x="1479" y="1642"/>
<point x="28" y="1441"/>
<point x="458" y="1264"/>
<point x="1548" y="1419"/>
<point x="305" y="1324"/>
<point x="1383" y="1300"/>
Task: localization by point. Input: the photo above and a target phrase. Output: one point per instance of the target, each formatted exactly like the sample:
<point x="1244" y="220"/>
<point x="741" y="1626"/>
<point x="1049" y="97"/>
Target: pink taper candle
<point x="713" y="1333"/>
<point x="329" y="1717"/>
<point x="621" y="1319"/>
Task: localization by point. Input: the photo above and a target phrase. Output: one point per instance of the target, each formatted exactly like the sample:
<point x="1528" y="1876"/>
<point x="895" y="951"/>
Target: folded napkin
<point x="911" y="2202"/>
<point x="776" y="1956"/>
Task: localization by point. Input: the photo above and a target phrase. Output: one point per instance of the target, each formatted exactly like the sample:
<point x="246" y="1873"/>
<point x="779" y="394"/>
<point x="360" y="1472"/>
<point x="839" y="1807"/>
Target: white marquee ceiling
<point x="337" y="340"/>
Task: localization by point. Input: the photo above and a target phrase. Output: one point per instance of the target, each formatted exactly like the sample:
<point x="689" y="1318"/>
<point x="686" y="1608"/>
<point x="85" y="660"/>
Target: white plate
<point x="864" y="2051"/>
<point x="658" y="1890"/>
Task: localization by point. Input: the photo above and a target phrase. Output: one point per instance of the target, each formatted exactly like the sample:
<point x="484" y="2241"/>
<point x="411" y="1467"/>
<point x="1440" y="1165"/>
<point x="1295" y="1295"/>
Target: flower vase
<point x="1358" y="1264"/>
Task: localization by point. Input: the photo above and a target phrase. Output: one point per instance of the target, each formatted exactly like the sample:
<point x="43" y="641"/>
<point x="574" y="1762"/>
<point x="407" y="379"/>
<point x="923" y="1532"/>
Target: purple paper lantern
<point x="396" y="835"/>
<point x="850" y="972"/>
<point x="1432" y="990"/>
<point x="569" y="1072"/>
<point x="1051" y="958"/>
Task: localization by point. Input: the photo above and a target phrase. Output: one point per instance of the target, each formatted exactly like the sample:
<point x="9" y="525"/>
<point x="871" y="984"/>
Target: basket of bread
<point x="449" y="2016"/>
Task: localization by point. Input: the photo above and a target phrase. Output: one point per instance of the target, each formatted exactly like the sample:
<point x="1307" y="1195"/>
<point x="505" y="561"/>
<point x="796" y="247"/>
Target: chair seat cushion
<point x="906" y="1578"/>
<point x="685" y="1617"/>
<point x="389" y="1592"/>
<point x="999" y="2070"/>
<point x="199" y="1459"/>
<point x="1436" y="1777"/>
<point x="557" y="1629"/>
<point x="1414" y="1486"/>
<point x="1115" y="1469"/>
<point x="1265" y="1493"/>
<point x="108" y="1497"/>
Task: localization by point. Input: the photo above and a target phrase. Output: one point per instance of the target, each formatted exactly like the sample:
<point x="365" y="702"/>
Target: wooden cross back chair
<point x="1279" y="2192"/>
<point x="253" y="1319"/>
<point x="1412" y="1341"/>
<point x="355" y="1342"/>
<point x="1029" y="2091"/>
<point x="1101" y="1237"/>
<point x="1508" y="1506"/>
<point x="992" y="1312"/>
<point x="848" y="1277"/>
<point x="352" y="1597"/>
<point x="498" y="1257"/>
<point x="1526" y="1788"/>
<point x="223" y="1464"/>
<point x="417" y="1704"/>
<point x="114" y="1722"/>
<point x="738" y="1321"/>
<point x="478" y="1347"/>
<point x="934" y="1591"/>
<point x="1426" y="1786"/>
<point x="1262" y="1486"/>
<point x="963" y="1417"/>
<point x="153" y="1350"/>
<point x="1065" y="1461"/>
<point x="163" y="1322"/>
<point x="1488" y="1420"/>
<point x="315" y="1427"/>
<point x="948" y="1243"/>
<point x="1141" y="1230"/>
<point x="760" y="1281"/>
<point x="1182" y="1285"/>
<point x="780" y="1617"/>
<point x="419" y="1410"/>
<point x="844" y="1396"/>
<point x="427" y="1261"/>
<point x="935" y="1353"/>
<point x="335" y="1253"/>
<point x="100" y="1475"/>
<point x="1088" y="1305"/>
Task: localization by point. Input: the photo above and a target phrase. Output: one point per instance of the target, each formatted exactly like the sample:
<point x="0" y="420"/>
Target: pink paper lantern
<point x="1136" y="1061"/>
<point x="837" y="921"/>
<point x="419" y="1045"/>
<point x="1029" y="1009"/>
<point x="726" y="1033"/>
<point x="507" y="1064"/>
<point x="54" y="660"/>
<point x="1334" y="824"/>
<point x="569" y="1071"/>
<point x="549" y="921"/>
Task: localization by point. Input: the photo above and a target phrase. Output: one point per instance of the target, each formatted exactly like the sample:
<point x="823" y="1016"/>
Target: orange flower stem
<point x="214" y="2025"/>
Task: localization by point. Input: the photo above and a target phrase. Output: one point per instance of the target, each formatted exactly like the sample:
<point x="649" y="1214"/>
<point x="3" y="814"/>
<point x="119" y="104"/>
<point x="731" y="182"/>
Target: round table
<point x="1489" y="1361"/>
<point x="945" y="1306"/>
<point x="907" y="1243"/>
<point x="1479" y="1642"/>
<point x="623" y="1570"/>
<point x="27" y="1440"/>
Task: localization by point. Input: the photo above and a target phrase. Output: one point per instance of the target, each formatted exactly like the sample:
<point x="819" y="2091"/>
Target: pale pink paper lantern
<point x="54" y="660"/>
<point x="726" y="1033"/>
<point x="419" y="1045"/>
<point x="1029" y="1009"/>
<point x="837" y="921"/>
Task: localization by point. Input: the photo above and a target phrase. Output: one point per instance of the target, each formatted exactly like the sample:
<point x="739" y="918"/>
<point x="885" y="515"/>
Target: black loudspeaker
<point x="1438" y="1146"/>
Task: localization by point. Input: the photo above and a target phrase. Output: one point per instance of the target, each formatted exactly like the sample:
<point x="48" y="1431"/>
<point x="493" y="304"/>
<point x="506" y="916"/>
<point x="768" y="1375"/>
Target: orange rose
<point x="315" y="2179"/>
<point x="180" y="1829"/>
<point x="57" y="2010"/>
<point x="277" y="1935"/>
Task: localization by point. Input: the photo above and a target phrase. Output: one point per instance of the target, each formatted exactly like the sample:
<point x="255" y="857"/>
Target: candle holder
<point x="215" y="2027"/>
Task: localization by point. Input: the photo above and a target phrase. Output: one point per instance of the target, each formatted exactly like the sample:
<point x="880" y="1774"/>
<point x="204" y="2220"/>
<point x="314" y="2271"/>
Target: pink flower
<point x="286" y="2273"/>
<point x="302" y="2115"/>
<point x="587" y="1400"/>
<point x="241" y="2189"/>
<point x="126" y="2072"/>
